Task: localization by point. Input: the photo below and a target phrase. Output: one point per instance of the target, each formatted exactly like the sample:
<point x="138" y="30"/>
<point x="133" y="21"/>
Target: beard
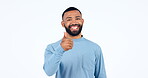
<point x="73" y="33"/>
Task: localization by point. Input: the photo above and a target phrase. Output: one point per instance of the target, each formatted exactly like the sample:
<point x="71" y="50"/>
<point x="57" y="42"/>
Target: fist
<point x="66" y="42"/>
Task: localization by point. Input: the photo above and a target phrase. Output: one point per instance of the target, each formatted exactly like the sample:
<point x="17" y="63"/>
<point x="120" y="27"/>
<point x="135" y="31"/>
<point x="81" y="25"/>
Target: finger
<point x="66" y="40"/>
<point x="69" y="47"/>
<point x="65" y="34"/>
<point x="71" y="43"/>
<point x="69" y="40"/>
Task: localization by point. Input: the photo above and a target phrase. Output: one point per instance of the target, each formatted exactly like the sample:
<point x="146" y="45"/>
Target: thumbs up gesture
<point x="66" y="42"/>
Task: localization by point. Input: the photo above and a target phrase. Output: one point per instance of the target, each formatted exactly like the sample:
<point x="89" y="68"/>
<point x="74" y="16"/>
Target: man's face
<point x="73" y="22"/>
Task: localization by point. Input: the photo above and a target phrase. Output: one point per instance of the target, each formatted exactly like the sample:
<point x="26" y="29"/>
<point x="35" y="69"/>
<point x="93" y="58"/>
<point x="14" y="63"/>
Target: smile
<point x="74" y="28"/>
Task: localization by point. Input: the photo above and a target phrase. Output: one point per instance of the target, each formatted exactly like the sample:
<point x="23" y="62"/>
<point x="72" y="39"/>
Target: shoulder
<point x="91" y="43"/>
<point x="96" y="48"/>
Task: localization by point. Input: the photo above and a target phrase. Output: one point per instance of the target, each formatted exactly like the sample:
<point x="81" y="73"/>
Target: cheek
<point x="67" y="24"/>
<point x="80" y="22"/>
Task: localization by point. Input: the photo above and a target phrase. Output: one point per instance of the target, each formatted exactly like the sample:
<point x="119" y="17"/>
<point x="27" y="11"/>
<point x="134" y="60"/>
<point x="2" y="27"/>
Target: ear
<point x="82" y="20"/>
<point x="62" y="23"/>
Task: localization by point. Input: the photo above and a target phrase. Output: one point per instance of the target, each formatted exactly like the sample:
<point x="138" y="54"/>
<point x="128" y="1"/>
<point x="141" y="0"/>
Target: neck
<point x="75" y="37"/>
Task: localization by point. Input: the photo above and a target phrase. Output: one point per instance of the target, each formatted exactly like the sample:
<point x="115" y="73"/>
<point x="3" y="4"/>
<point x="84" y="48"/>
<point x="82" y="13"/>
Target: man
<point x="74" y="56"/>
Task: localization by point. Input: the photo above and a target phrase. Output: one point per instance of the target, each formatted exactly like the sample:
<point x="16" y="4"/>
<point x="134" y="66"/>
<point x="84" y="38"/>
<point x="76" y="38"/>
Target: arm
<point x="53" y="55"/>
<point x="100" y="67"/>
<point x="52" y="59"/>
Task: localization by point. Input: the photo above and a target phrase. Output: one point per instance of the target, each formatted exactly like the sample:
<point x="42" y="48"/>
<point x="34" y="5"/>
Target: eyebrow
<point x="71" y="17"/>
<point x="77" y="16"/>
<point x="68" y="17"/>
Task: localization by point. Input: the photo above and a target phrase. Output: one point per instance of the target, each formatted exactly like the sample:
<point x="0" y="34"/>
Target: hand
<point x="66" y="42"/>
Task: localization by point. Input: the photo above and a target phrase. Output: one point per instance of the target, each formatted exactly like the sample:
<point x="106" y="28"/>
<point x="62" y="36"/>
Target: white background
<point x="118" y="26"/>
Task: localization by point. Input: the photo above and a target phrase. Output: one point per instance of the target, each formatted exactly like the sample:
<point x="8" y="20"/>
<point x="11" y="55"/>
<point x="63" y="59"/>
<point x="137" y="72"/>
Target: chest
<point x="79" y="57"/>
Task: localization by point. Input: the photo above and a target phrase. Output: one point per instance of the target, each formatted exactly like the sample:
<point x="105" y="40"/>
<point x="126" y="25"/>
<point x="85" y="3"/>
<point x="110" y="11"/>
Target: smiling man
<point x="74" y="56"/>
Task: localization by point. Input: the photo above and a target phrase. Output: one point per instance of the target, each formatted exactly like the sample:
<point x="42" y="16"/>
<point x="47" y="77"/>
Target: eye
<point x="68" y="19"/>
<point x="77" y="18"/>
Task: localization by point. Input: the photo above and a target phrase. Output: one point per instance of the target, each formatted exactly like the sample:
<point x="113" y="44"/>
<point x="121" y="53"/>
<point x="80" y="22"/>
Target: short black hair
<point x="70" y="9"/>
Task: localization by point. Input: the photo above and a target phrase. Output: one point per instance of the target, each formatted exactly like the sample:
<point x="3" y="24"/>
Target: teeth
<point x="74" y="27"/>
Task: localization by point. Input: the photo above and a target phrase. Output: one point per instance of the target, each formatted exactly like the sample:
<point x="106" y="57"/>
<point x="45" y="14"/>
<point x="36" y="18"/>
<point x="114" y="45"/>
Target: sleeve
<point x="99" y="66"/>
<point x="52" y="59"/>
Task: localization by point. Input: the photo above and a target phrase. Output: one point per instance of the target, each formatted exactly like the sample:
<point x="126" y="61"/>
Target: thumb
<point x="65" y="35"/>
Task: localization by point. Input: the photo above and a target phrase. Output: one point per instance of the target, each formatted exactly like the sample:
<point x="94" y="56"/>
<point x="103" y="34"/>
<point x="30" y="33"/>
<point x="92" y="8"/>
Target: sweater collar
<point x="79" y="39"/>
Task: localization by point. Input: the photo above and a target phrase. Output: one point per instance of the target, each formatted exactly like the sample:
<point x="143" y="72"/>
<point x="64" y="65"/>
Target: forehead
<point x="72" y="13"/>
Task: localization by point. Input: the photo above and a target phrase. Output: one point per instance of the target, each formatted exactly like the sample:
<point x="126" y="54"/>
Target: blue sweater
<point x="84" y="60"/>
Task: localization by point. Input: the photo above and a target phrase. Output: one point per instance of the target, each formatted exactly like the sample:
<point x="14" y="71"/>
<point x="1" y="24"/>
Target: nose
<point x="74" y="21"/>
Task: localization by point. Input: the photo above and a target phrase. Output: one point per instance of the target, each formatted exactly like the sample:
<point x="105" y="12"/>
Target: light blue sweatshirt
<point x="84" y="60"/>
